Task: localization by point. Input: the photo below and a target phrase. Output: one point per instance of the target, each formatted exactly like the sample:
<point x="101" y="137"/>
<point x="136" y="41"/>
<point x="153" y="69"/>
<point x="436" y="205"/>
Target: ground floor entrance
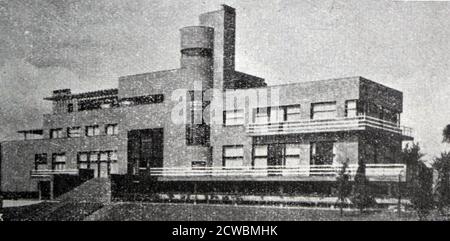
<point x="45" y="190"/>
<point x="145" y="150"/>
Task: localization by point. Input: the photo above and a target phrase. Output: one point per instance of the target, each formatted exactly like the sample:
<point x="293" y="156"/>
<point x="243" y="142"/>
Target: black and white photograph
<point x="224" y="110"/>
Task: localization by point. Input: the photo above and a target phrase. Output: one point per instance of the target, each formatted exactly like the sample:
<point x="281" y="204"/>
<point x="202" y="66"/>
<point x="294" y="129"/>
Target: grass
<point x="205" y="212"/>
<point x="135" y="211"/>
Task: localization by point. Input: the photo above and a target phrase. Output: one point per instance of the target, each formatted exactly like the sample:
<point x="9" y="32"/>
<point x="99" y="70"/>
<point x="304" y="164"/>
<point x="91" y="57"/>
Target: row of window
<point x="58" y="161"/>
<point x="103" y="163"/>
<point x="326" y="110"/>
<point x="319" y="111"/>
<point x="321" y="153"/>
<point x="94" y="130"/>
<point x="110" y="102"/>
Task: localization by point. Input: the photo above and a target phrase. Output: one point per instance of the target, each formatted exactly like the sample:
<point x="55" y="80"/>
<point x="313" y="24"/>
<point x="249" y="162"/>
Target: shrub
<point x="442" y="194"/>
<point x="362" y="196"/>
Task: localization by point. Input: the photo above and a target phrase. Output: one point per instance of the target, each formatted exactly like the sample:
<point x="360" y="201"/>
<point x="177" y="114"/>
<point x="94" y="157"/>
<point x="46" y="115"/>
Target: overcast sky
<point x="86" y="45"/>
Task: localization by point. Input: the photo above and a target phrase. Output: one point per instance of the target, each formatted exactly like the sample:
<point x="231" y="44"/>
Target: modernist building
<point x="207" y="122"/>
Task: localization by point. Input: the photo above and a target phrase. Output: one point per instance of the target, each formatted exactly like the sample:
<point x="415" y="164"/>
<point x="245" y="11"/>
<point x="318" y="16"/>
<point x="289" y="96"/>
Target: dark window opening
<point x="197" y="134"/>
<point x="322" y="153"/>
<point x="40" y="161"/>
<point x="197" y="131"/>
<point x="100" y="103"/>
<point x="142" y="100"/>
<point x="70" y="107"/>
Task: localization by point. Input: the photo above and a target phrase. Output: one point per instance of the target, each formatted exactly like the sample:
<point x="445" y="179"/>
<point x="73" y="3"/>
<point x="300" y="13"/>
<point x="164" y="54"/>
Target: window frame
<point x="313" y="112"/>
<point x="55" y="163"/>
<point x="355" y="109"/>
<point x="96" y="127"/>
<point x="240" y="117"/>
<point x="40" y="159"/>
<point x="255" y="156"/>
<point x="286" y="112"/>
<point x="115" y="128"/>
<point x="59" y="131"/>
<point x="225" y="158"/>
<point x="80" y="131"/>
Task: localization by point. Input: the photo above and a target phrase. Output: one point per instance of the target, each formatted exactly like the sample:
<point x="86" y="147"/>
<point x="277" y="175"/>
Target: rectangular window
<point x="142" y="100"/>
<point x="40" y="161"/>
<point x="104" y="161"/>
<point x="233" y="117"/>
<point x="70" y="107"/>
<point x="322" y="153"/>
<point x="56" y="133"/>
<point x="233" y="156"/>
<point x="112" y="129"/>
<point x="326" y="110"/>
<point x="292" y="155"/>
<point x="58" y="161"/>
<point x="351" y="108"/>
<point x="92" y="130"/>
<point x="104" y="156"/>
<point x="114" y="169"/>
<point x="261" y="115"/>
<point x="93" y="162"/>
<point x="260" y="156"/>
<point x="277" y="114"/>
<point x="73" y="132"/>
<point x="83" y="160"/>
<point x="292" y="112"/>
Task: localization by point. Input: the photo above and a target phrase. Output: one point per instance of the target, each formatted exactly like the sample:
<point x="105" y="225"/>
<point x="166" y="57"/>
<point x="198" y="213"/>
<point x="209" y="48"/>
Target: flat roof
<point x="33" y="131"/>
<point x="90" y="94"/>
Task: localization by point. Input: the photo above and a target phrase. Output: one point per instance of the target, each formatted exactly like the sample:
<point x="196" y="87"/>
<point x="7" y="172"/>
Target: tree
<point x="419" y="180"/>
<point x="343" y="186"/>
<point x="362" y="196"/>
<point x="446" y="134"/>
<point x="442" y="194"/>
<point x="421" y="191"/>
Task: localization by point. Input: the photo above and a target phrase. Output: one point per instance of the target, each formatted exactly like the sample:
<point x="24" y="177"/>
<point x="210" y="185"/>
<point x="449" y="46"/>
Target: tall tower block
<point x="224" y="23"/>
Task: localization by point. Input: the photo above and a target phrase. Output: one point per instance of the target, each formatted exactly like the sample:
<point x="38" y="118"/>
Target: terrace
<point x="374" y="172"/>
<point x="362" y="122"/>
<point x="50" y="172"/>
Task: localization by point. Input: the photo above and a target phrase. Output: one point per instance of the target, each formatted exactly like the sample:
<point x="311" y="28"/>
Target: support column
<point x="51" y="189"/>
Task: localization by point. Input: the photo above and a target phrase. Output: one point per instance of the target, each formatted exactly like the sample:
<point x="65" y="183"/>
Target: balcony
<point x="374" y="172"/>
<point x="50" y="172"/>
<point x="329" y="125"/>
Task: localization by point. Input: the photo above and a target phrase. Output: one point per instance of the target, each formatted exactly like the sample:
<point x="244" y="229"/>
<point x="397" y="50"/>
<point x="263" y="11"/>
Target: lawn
<point x="205" y="212"/>
<point x="135" y="211"/>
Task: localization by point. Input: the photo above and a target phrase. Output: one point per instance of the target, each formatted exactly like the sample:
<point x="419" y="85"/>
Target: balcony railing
<point x="328" y="125"/>
<point x="49" y="172"/>
<point x="373" y="171"/>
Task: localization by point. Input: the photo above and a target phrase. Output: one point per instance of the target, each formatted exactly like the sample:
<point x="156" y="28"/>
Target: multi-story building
<point x="205" y="121"/>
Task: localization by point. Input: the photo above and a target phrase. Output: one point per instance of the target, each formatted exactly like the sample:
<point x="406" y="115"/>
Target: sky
<point x="87" y="44"/>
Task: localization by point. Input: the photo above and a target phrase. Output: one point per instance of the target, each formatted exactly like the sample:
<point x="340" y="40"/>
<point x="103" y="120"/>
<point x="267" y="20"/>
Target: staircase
<point x="95" y="190"/>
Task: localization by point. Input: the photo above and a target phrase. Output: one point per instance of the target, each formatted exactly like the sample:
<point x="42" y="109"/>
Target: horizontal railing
<point x="48" y="172"/>
<point x="372" y="170"/>
<point x="338" y="124"/>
